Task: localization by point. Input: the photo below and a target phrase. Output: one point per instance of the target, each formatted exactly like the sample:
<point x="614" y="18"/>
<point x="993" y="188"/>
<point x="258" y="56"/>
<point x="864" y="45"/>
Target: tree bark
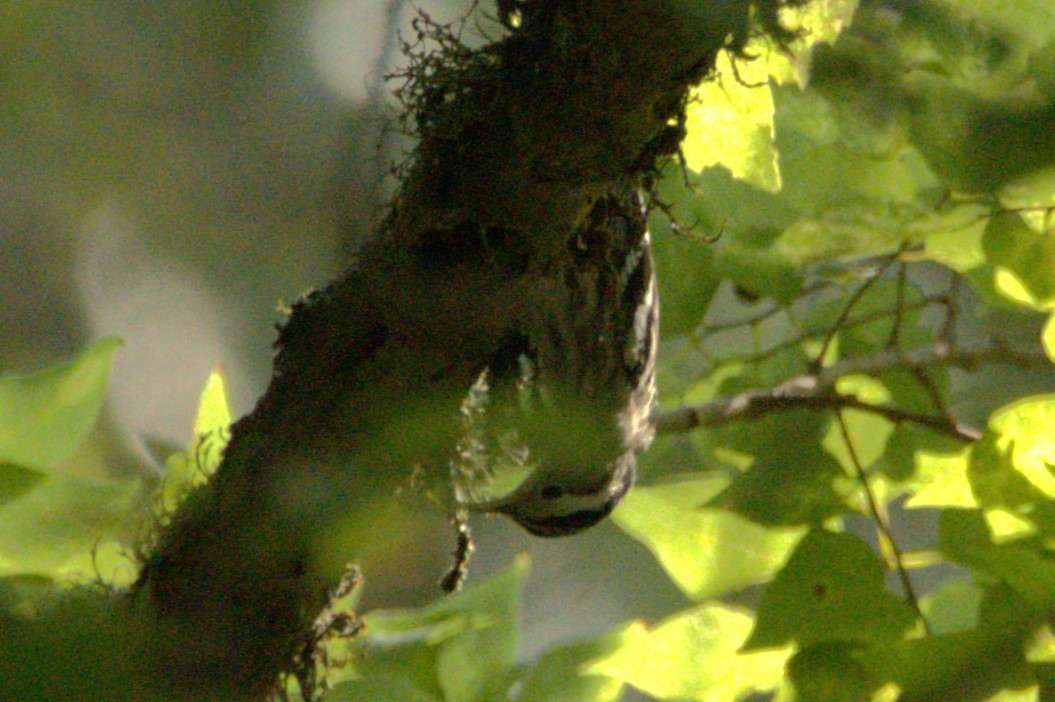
<point x="517" y="142"/>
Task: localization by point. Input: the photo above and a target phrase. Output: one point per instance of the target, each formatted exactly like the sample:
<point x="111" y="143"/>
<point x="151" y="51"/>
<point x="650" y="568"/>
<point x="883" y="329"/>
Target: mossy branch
<point x="517" y="141"/>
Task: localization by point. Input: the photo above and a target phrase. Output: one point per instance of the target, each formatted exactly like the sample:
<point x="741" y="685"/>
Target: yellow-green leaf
<point x="706" y="551"/>
<point x="45" y="415"/>
<point x="868" y="432"/>
<point x="1047" y="337"/>
<point x="693" y="656"/>
<point x="186" y="470"/>
<point x="1027" y="429"/>
<point x="214" y="411"/>
<point x="730" y="123"/>
<point x="942" y="480"/>
<point x="55" y="529"/>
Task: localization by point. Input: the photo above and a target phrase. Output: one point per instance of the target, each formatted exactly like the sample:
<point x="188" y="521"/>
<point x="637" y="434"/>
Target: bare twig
<point x="817" y="391"/>
<point x="844" y="316"/>
<point x="886" y="538"/>
<point x="845" y="324"/>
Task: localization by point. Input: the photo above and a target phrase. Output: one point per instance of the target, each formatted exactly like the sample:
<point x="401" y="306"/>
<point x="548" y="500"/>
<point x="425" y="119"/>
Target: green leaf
<point x="964" y="537"/>
<point x="954" y="238"/>
<point x="463" y="645"/>
<point x="832" y="671"/>
<point x="562" y="674"/>
<point x="852" y="229"/>
<point x="693" y="656"/>
<point x="57" y="527"/>
<point x="730" y="119"/>
<point x="45" y="415"/>
<point x="830" y="590"/>
<point x="706" y="551"/>
<point x="758" y="269"/>
<point x="788" y="485"/>
<point x="16" y="481"/>
<point x="1047" y="337"/>
<point x="868" y="432"/>
<point x="1031" y="22"/>
<point x="730" y="123"/>
<point x="995" y="480"/>
<point x="981" y="664"/>
<point x="395" y="688"/>
<point x="953" y="606"/>
<point x="205" y="450"/>
<point x="1026" y="430"/>
<point x="687" y="279"/>
<point x="214" y="410"/>
<point x="819" y="21"/>
<point x="940" y="480"/>
<point x="1025" y="259"/>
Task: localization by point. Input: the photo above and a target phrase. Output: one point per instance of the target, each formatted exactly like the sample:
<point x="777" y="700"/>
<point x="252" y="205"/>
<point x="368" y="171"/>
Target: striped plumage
<point x="586" y="373"/>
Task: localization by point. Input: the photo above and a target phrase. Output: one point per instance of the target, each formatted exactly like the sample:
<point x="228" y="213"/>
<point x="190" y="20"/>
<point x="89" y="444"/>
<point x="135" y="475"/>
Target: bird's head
<point x="547" y="506"/>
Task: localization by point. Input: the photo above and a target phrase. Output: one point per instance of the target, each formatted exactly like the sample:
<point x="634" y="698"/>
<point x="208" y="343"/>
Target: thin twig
<point x="886" y="538"/>
<point x="845" y="324"/>
<point x="899" y="316"/>
<point x="815" y="391"/>
<point x="850" y="304"/>
<point x="761" y="316"/>
<point x="952" y="310"/>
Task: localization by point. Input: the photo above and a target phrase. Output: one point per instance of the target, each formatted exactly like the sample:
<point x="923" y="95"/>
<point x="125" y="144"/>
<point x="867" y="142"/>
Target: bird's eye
<point x="551" y="492"/>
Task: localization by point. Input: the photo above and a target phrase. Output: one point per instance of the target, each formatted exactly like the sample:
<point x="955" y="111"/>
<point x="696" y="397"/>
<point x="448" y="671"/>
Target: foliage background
<point x="175" y="170"/>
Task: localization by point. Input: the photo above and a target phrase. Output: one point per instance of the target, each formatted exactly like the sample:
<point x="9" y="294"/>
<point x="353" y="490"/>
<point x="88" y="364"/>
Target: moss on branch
<point x="518" y="139"/>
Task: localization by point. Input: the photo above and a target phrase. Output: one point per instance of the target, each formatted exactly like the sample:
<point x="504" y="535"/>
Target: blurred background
<point x="173" y="173"/>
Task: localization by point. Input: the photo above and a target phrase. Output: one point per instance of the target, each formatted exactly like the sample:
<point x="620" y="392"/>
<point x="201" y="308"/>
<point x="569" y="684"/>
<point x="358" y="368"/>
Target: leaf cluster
<point x="858" y="295"/>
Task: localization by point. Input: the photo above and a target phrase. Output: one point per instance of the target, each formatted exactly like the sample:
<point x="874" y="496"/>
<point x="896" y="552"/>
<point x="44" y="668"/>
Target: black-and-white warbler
<point x="584" y="374"/>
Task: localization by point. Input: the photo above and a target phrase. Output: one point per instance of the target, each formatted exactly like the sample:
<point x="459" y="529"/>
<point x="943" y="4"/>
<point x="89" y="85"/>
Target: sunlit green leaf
<point x="706" y="551"/>
<point x="730" y="123"/>
<point x="214" y="411"/>
<point x="45" y="415"/>
<point x="954" y="238"/>
<point x="867" y="432"/>
<point x="817" y="22"/>
<point x="995" y="480"/>
<point x="940" y="480"/>
<point x="1026" y="429"/>
<point x="830" y="590"/>
<point x="1024" y="258"/>
<point x="1047" y="337"/>
<point x="205" y="450"/>
<point x="693" y="656"/>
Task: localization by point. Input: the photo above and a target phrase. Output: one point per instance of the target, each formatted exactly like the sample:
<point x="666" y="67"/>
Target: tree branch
<point x="517" y="142"/>
<point x="817" y="392"/>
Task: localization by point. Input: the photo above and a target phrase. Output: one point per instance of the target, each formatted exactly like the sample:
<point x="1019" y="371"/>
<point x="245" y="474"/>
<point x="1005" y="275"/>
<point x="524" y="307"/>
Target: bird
<point x="576" y="386"/>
